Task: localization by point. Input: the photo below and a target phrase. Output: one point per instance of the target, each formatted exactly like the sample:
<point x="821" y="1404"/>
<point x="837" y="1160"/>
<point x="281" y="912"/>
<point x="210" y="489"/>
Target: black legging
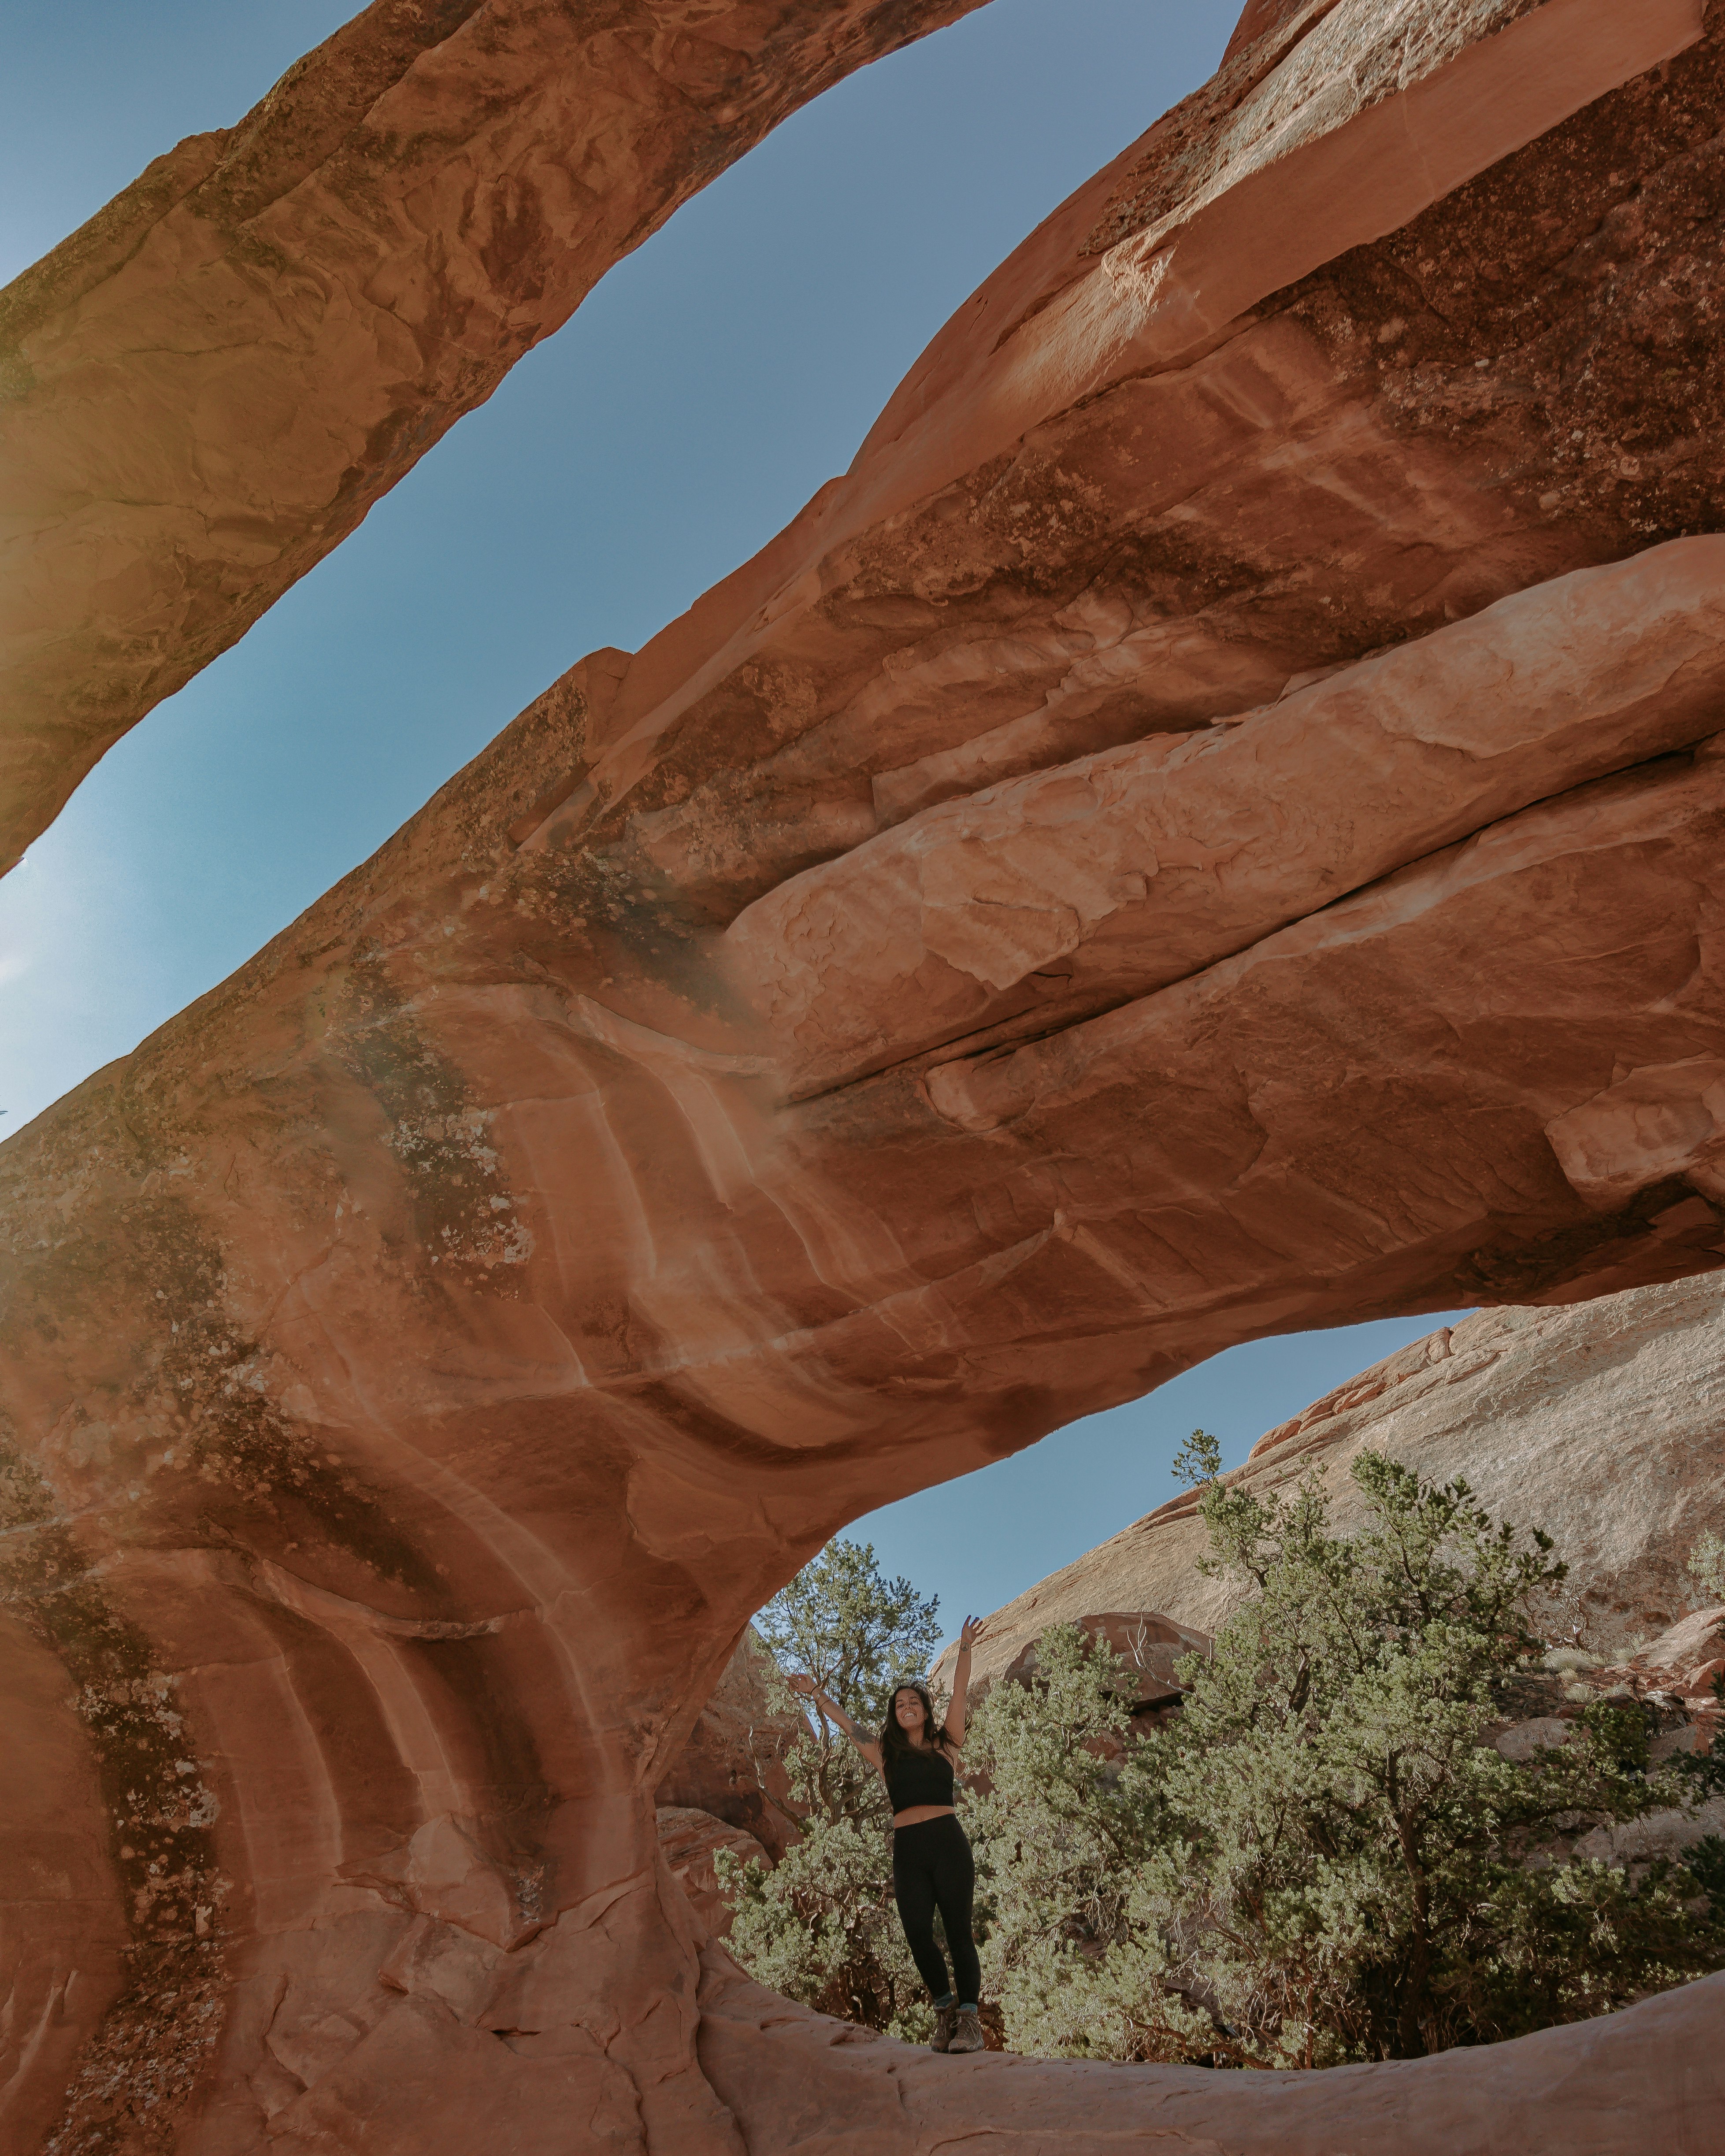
<point x="933" y="1867"/>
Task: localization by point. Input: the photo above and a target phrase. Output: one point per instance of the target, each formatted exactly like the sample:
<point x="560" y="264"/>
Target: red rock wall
<point x="691" y="1840"/>
<point x="732" y="1765"/>
<point x="423" y="1355"/>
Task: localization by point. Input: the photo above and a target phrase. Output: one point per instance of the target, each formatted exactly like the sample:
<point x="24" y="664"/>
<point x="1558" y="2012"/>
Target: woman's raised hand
<point x="969" y="1632"/>
<point x="800" y="1683"/>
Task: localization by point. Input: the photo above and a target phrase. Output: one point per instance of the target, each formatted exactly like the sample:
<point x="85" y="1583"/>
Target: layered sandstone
<point x="1603" y="1422"/>
<point x="1016" y="908"/>
<point x="423" y="1356"/>
<point x="691" y="1841"/>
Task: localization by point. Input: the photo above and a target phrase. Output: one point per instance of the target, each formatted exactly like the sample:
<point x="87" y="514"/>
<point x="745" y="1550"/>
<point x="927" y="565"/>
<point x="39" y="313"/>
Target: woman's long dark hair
<point x="895" y="1739"/>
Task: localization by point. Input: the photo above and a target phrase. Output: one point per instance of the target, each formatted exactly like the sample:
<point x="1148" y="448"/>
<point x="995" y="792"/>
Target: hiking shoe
<point x="967" y="2032"/>
<point x="944" y="2017"/>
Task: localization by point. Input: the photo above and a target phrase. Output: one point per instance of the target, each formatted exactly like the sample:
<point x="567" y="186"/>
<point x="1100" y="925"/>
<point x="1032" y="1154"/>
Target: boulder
<point x="1524" y="1740"/>
<point x="1668" y="1833"/>
<point x="689" y="1839"/>
<point x="1690" y="1651"/>
<point x="1151" y="1647"/>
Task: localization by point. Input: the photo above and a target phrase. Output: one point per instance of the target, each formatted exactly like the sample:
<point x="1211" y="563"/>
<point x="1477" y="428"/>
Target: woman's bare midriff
<point x="918" y="1813"/>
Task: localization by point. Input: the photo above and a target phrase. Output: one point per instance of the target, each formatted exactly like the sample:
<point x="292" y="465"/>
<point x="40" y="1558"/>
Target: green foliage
<point x="1705" y="1771"/>
<point x="1705" y="1861"/>
<point x="1706" y="1562"/>
<point x="1073" y="1823"/>
<point x="822" y="1927"/>
<point x="1323" y="1858"/>
<point x="1198" y="1460"/>
<point x="1620" y="1733"/>
<point x="855" y="1632"/>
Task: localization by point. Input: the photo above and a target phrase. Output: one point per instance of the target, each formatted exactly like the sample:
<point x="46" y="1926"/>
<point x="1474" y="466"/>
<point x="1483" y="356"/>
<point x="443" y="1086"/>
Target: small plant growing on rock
<point x="1707" y="1565"/>
<point x="822" y="1928"/>
<point x="1324" y="1858"/>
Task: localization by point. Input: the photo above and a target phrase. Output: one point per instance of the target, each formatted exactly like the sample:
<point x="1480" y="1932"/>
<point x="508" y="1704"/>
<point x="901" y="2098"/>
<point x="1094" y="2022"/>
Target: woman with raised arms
<point x="931" y="1864"/>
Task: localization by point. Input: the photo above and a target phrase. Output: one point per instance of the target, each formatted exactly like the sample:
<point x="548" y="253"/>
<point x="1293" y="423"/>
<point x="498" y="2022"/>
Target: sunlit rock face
<point x="1259" y="680"/>
<point x="1602" y="1423"/>
<point x="209" y="384"/>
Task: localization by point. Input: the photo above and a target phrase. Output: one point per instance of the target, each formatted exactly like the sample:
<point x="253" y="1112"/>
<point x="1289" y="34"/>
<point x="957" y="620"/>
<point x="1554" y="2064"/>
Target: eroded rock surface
<point x="691" y="1840"/>
<point x="423" y="1355"/>
<point x="732" y="1765"/>
<point x="1614" y="2073"/>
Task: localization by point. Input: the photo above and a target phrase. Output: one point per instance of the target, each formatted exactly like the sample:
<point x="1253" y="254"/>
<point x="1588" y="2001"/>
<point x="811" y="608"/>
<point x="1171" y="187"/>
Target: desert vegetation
<point x="1324" y="1856"/>
<point x="822" y="1928"/>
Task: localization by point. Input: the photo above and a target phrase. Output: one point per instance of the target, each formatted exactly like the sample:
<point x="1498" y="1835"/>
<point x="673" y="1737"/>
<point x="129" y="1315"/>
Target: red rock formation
<point x="212" y="381"/>
<point x="1029" y="903"/>
<point x="691" y="1839"/>
<point x="1151" y="1645"/>
<point x="732" y="1766"/>
<point x="1688" y="1654"/>
<point x="1615" y="2075"/>
<point x="423" y="1356"/>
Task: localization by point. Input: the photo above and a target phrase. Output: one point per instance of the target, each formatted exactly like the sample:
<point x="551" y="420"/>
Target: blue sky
<point x="700" y="396"/>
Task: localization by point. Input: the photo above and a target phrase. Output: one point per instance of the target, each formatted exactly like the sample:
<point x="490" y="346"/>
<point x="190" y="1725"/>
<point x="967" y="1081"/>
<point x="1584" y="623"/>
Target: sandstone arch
<point x="211" y="382"/>
<point x="1263" y="714"/>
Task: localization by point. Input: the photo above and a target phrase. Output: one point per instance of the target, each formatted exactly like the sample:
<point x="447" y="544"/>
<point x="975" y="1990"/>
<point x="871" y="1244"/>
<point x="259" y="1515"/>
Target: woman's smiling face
<point x="907" y="1710"/>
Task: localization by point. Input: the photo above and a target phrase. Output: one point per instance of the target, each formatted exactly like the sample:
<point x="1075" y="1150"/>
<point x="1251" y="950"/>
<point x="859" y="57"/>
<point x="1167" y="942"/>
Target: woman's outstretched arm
<point x="834" y="1713"/>
<point x="969" y="1634"/>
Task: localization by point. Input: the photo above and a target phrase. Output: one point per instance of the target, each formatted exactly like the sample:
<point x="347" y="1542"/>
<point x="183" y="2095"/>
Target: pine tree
<point x="822" y="1928"/>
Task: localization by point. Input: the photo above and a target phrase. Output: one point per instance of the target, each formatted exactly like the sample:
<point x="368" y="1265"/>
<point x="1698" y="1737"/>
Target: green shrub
<point x="1322" y="1858"/>
<point x="822" y="1928"/>
<point x="1706" y="1562"/>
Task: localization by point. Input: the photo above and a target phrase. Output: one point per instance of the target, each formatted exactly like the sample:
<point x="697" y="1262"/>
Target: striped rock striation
<point x="1293" y="574"/>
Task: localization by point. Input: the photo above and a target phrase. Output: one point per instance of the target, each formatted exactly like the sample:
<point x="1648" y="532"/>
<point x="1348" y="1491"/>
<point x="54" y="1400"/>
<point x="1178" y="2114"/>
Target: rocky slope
<point x="1603" y="1422"/>
<point x="422" y="1356"/>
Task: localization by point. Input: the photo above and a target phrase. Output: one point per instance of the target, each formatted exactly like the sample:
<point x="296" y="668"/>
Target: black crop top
<point x="921" y="1777"/>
